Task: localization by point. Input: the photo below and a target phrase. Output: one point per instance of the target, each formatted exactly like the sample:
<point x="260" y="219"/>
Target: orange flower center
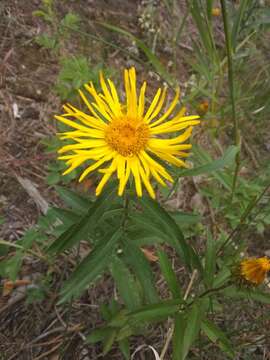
<point x="127" y="136"/>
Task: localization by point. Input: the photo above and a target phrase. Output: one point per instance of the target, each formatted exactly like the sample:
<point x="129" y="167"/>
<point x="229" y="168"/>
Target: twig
<point x="48" y="352"/>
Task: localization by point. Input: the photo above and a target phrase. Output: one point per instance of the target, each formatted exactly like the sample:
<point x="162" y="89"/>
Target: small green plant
<point x="74" y="73"/>
<point x="59" y="29"/>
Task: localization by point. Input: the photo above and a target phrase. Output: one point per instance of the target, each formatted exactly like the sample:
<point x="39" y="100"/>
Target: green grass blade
<point x="237" y="22"/>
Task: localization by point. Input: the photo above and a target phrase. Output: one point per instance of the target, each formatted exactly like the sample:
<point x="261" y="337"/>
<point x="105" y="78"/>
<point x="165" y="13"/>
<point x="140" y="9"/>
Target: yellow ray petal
<point x="171" y="159"/>
<point x="159" y="168"/>
<point x="114" y="93"/>
<point x="133" y="91"/>
<point x="121" y="164"/>
<point x="170" y="109"/>
<point x="127" y="90"/>
<point x="141" y="100"/>
<point x="100" y="105"/>
<point x="114" y="105"/>
<point x="173" y="127"/>
<point x="95" y="166"/>
<point x="134" y="166"/>
<point x="123" y="180"/>
<point x="145" y="164"/>
<point x="75" y="125"/>
<point x="147" y="183"/>
<point x="157" y="177"/>
<point x="152" y="106"/>
<point x="159" y="106"/>
<point x="74" y="165"/>
<point x="106" y="177"/>
<point x="84" y="144"/>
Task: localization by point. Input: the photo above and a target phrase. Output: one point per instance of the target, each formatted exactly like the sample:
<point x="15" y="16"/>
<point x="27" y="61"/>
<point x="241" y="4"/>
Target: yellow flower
<point x="216" y="11"/>
<point x="125" y="136"/>
<point x="254" y="270"/>
<point x="202" y="107"/>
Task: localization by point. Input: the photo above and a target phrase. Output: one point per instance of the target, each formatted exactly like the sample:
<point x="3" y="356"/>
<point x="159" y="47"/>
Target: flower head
<point x="125" y="137"/>
<point x="253" y="270"/>
<point x="216" y="11"/>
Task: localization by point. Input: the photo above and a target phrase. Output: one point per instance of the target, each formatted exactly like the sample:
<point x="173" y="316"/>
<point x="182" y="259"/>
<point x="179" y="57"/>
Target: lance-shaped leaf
<point x="81" y="229"/>
<point x="91" y="267"/>
<point x="72" y="199"/>
<point x="174" y="236"/>
<point x="126" y="285"/>
<point x="169" y="274"/>
<point x="217" y="336"/>
<point x="133" y="256"/>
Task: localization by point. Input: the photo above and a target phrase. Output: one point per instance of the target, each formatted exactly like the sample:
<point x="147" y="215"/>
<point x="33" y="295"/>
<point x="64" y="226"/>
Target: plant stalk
<point x="229" y="50"/>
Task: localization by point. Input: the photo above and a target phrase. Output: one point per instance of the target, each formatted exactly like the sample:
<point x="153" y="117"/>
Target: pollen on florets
<point x="127" y="136"/>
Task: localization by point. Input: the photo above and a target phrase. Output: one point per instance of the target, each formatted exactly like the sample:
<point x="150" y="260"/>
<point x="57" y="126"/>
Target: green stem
<point x="126" y="208"/>
<point x="229" y="51"/>
<point x="253" y="203"/>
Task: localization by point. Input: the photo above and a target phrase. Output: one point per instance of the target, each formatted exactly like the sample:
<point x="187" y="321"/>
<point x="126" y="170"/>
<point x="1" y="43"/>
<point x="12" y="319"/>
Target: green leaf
<point x="185" y="219"/>
<point x="202" y="26"/>
<point x="156" y="312"/>
<point x="126" y="284"/>
<point x="142" y="236"/>
<point x="178" y="335"/>
<point x="91" y="267"/>
<point x="149" y="54"/>
<point x="73" y="199"/>
<point x="86" y="225"/>
<point x="139" y="264"/>
<point x="9" y="268"/>
<point x="108" y="341"/>
<point x="252" y="294"/>
<point x="98" y="335"/>
<point x="169" y="274"/>
<point x="53" y="178"/>
<point x="210" y="261"/>
<point x="217" y="336"/>
<point x="166" y="224"/>
<point x="191" y="331"/>
<point x="125" y="348"/>
<point x="67" y="217"/>
<point x="46" y="41"/>
<point x="140" y="221"/>
<point x="237" y="22"/>
<point x="70" y="21"/>
<point x="222" y="277"/>
<point x="227" y="159"/>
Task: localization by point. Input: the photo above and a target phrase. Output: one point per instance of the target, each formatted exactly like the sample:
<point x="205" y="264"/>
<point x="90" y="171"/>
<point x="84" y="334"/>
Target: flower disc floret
<point x="126" y="138"/>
